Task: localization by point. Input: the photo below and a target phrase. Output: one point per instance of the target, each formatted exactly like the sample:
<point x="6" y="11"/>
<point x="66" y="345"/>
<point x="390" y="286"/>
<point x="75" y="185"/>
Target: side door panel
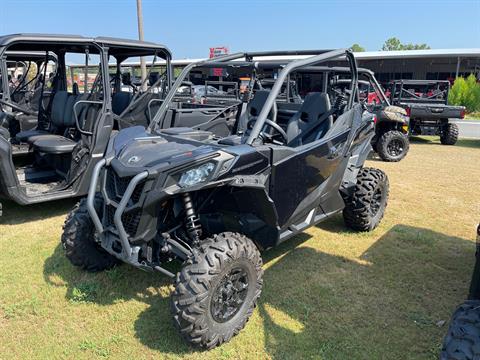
<point x="298" y="176"/>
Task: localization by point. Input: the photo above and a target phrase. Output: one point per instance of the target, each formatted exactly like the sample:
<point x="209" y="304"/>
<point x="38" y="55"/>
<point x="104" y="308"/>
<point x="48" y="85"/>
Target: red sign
<point x="218" y="51"/>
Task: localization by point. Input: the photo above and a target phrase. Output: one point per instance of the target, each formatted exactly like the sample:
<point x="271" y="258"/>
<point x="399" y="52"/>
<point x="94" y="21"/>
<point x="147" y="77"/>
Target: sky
<point x="190" y="27"/>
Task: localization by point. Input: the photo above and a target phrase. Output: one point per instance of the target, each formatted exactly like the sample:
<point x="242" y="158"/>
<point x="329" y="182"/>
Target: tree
<point x="357" y="48"/>
<point x="395" y="44"/>
<point x="465" y="92"/>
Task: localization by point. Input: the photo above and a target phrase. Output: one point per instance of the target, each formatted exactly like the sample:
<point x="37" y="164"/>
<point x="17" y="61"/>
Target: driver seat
<point x="310" y="122"/>
<point x="254" y="108"/>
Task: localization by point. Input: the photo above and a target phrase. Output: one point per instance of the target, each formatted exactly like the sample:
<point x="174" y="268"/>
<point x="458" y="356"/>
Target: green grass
<point x="329" y="293"/>
<point x="473" y="116"/>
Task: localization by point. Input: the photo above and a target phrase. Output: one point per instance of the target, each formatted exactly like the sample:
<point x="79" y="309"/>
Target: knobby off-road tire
<point x="217" y="289"/>
<point x="365" y="208"/>
<point x="463" y="337"/>
<point x="78" y="240"/>
<point x="392" y="145"/>
<point x="449" y="135"/>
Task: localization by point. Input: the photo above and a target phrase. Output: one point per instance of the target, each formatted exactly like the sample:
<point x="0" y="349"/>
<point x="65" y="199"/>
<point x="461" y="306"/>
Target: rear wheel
<point x="449" y="134"/>
<point x="78" y="240"/>
<point x="463" y="337"/>
<point x="217" y="289"/>
<point x="365" y="207"/>
<point x="392" y="145"/>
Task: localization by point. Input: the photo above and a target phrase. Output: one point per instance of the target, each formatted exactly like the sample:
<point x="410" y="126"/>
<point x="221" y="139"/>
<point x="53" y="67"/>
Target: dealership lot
<point x="383" y="294"/>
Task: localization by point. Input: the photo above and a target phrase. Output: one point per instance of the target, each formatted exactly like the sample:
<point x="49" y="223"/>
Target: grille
<point x="116" y="186"/>
<point x="130" y="220"/>
<point x="109" y="213"/>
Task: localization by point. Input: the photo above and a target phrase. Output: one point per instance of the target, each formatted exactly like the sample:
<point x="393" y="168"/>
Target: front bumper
<point x="107" y="238"/>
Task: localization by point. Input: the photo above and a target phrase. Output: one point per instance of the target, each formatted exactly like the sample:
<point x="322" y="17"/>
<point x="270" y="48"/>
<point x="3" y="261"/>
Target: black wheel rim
<point x="376" y="202"/>
<point x="229" y="295"/>
<point x="395" y="147"/>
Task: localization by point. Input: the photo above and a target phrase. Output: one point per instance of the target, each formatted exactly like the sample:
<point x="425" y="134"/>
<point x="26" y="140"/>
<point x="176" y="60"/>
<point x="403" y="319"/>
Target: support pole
<point x="458" y="67"/>
<point x="143" y="66"/>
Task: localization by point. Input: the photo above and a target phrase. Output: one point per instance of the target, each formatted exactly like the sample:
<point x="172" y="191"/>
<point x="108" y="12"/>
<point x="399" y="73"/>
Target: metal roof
<point x="62" y="39"/>
<point x="409" y="54"/>
<point x="366" y="55"/>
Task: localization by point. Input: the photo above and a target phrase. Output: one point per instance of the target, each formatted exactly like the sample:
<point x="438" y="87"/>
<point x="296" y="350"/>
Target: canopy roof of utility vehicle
<point x="28" y="56"/>
<point x="77" y="43"/>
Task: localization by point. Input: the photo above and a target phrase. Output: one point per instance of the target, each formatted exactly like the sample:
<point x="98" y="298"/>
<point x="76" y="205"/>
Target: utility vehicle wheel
<point x="449" y="135"/>
<point x="217" y="289"/>
<point x="392" y="146"/>
<point x="78" y="240"/>
<point x="365" y="207"/>
<point x="463" y="337"/>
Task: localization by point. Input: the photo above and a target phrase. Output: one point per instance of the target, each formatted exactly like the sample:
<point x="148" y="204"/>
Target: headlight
<point x="196" y="175"/>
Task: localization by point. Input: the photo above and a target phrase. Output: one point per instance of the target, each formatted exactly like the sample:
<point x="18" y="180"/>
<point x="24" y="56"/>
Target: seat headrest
<point x="314" y="105"/>
<point x="257" y="103"/>
<point x="75" y="90"/>
<point x="153" y="78"/>
<point x="120" y="101"/>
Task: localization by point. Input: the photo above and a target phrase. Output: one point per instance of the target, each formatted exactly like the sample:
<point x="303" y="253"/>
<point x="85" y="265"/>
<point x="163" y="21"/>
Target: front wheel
<point x="463" y="336"/>
<point x="217" y="289"/>
<point x="365" y="207"/>
<point x="449" y="134"/>
<point x="392" y="146"/>
<point x="78" y="240"/>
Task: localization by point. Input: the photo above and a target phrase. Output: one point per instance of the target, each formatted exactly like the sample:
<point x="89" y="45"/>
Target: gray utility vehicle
<point x="214" y="202"/>
<point x="25" y="71"/>
<point x="426" y="102"/>
<point x="75" y="118"/>
<point x="462" y="341"/>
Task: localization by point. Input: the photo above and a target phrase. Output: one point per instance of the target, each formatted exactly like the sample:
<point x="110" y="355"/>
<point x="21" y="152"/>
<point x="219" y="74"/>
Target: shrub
<point x="466" y="92"/>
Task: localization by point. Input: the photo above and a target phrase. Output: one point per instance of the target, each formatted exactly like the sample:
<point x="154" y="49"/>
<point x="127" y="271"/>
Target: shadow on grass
<point x="314" y="304"/>
<point x="469" y="143"/>
<point x="19" y="214"/>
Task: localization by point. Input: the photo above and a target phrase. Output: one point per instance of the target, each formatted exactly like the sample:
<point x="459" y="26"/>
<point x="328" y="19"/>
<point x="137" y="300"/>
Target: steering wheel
<point x="17" y="107"/>
<point x="273" y="125"/>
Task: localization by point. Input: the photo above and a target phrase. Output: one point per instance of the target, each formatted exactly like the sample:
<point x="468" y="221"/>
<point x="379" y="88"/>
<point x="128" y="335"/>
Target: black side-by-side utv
<point x="215" y="202"/>
<point x="462" y="341"/>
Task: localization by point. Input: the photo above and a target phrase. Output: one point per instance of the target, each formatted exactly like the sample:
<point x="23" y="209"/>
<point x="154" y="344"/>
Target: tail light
<point x="462" y="114"/>
<point x="375" y="119"/>
<point x="408" y="110"/>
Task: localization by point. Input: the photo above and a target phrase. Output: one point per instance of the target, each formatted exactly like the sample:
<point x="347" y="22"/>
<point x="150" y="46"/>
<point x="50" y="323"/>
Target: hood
<point x="134" y="147"/>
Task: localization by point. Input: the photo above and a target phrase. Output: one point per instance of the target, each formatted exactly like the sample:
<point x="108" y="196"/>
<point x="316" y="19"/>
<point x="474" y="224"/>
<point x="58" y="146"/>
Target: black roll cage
<point x="103" y="46"/>
<point x="317" y="56"/>
<point x="297" y="64"/>
<point x="360" y="71"/>
<point x="398" y="88"/>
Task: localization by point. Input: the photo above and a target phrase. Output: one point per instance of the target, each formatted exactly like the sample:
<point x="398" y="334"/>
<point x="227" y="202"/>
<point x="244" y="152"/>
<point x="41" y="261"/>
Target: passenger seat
<point x="311" y="121"/>
<point x="58" y="144"/>
<point x="59" y="103"/>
